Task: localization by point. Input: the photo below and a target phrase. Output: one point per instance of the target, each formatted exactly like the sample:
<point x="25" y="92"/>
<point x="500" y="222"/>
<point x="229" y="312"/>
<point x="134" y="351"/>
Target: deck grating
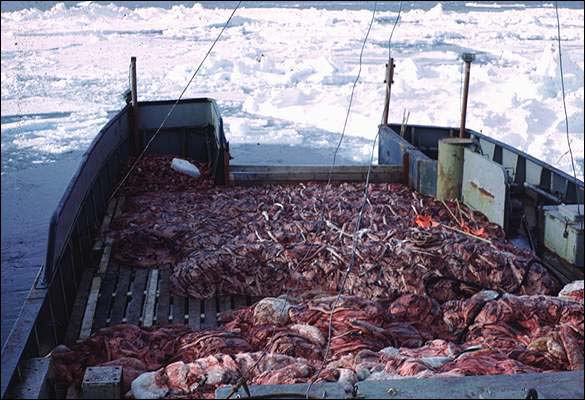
<point x="136" y="295"/>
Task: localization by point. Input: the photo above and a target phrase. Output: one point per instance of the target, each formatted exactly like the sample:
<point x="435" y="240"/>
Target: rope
<point x="175" y="104"/>
<point x="565" y="110"/>
<point x="356" y="236"/>
<point x="351" y="96"/>
<point x="392" y="33"/>
<point x="243" y="377"/>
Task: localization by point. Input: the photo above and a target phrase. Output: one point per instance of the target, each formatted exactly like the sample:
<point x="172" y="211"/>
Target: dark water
<point x="29" y="197"/>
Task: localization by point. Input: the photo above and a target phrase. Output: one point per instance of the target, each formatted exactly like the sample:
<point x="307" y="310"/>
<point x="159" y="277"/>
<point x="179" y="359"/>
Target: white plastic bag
<point x="185" y="167"/>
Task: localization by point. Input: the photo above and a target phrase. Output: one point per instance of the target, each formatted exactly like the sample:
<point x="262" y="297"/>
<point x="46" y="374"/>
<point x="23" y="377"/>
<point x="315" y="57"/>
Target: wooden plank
<point x="254" y="299"/>
<point x="33" y="383"/>
<point x="554" y="385"/>
<point x="194" y="313"/>
<point x="89" y="314"/>
<point x="310" y="168"/>
<point x="138" y="290"/>
<point x="178" y="310"/>
<point x="225" y="303"/>
<point x="150" y="301"/>
<point x="251" y="177"/>
<point x="105" y="299"/>
<point x="79" y="307"/>
<point x="121" y="201"/>
<point x="105" y="259"/>
<point x="239" y="302"/>
<point x="99" y="243"/>
<point x="246" y="174"/>
<point x="210" y="319"/>
<point x="327" y="390"/>
<point x="162" y="313"/>
<point x="121" y="297"/>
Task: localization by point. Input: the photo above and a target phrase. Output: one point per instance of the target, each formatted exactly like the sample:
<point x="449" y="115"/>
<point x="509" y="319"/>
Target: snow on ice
<point x="284" y="75"/>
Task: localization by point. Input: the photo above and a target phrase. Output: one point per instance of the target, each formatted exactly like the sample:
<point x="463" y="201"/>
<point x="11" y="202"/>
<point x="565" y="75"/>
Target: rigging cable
<point x="243" y="377"/>
<point x="135" y="163"/>
<point x="358" y="233"/>
<point x="392" y="33"/>
<point x="352" y="93"/>
<point x="565" y="109"/>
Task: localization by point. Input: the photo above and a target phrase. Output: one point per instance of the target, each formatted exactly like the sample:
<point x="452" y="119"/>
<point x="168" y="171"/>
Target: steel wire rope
<point x="565" y="110"/>
<point x="352" y="94"/>
<point x="243" y="377"/>
<point x="135" y="163"/>
<point x="357" y="235"/>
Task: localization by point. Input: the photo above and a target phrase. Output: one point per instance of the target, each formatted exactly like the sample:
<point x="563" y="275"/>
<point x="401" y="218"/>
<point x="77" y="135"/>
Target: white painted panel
<point x="484" y="186"/>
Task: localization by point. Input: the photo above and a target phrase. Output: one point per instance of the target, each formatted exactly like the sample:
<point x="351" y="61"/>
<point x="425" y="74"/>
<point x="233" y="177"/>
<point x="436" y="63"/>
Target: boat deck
<point x="111" y="293"/>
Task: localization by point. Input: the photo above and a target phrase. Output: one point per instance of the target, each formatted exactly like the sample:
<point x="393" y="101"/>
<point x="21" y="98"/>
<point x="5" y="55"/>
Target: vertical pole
<point x="467" y="58"/>
<point x="134" y="103"/>
<point x="388" y="81"/>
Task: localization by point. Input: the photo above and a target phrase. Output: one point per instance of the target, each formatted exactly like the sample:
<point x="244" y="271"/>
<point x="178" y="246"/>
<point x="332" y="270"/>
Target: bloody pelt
<point x="407" y="336"/>
<point x="434" y="289"/>
<point x="242" y="240"/>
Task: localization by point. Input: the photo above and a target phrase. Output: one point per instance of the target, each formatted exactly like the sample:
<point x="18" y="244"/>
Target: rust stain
<point x="482" y="190"/>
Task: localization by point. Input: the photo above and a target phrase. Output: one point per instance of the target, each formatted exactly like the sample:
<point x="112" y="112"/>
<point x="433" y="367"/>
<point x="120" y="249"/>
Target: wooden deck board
<point x="88" y="316"/>
<point x="162" y="313"/>
<point x="119" y="206"/>
<point x="239" y="302"/>
<point x="99" y="243"/>
<point x="178" y="310"/>
<point x="79" y="307"/>
<point x="194" y="314"/>
<point x="150" y="298"/>
<point x="210" y="319"/>
<point x="137" y="300"/>
<point x="225" y="303"/>
<point x="105" y="300"/>
<point x="105" y="259"/>
<point x="253" y="300"/>
<point x="121" y="298"/>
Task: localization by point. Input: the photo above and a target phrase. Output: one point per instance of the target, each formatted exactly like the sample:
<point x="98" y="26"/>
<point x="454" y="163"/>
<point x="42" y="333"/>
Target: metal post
<point x="134" y="103"/>
<point x="467" y="58"/>
<point x="388" y="81"/>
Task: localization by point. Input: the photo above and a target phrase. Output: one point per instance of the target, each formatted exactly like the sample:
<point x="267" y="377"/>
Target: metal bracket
<point x="41" y="281"/>
<point x="532" y="394"/>
<point x="509" y="173"/>
<point x="468" y="57"/>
